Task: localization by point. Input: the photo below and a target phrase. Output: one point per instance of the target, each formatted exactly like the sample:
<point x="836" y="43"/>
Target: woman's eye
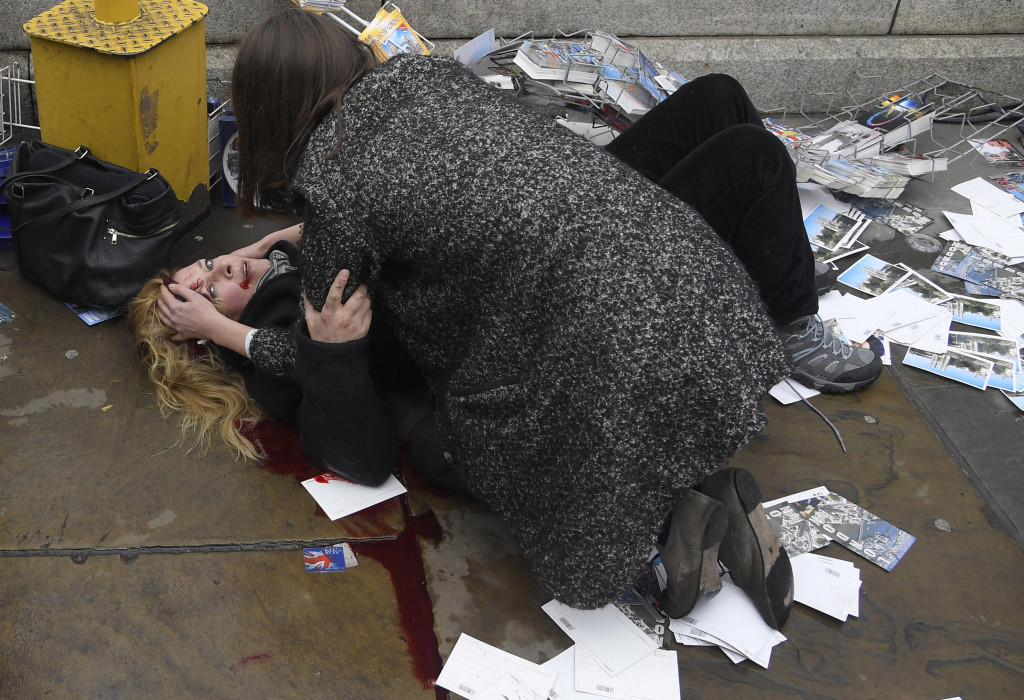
<point x="209" y="264"/>
<point x="211" y="291"/>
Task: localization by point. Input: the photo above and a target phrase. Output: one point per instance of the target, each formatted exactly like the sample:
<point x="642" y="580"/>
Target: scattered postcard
<point x="654" y="677"/>
<point x="832" y="230"/>
<point x="1012" y="183"/>
<point x="790" y="391"/>
<point x="975" y="312"/>
<point x="923" y="287"/>
<point x="952" y="364"/>
<point x="825" y="255"/>
<point x="795" y="533"/>
<point x="91" y="316"/>
<point x="872" y="275"/>
<point x="990" y="346"/>
<point x="905" y="309"/>
<point x="858" y="530"/>
<point x="337" y="558"/>
<point x="1016" y="398"/>
<point x="564" y="666"/>
<point x="930" y="335"/>
<point x="610" y="637"/>
<point x="729" y="620"/>
<point x="6" y="315"/>
<point x="474" y="666"/>
<point x="1003" y="375"/>
<point x="998" y="152"/>
<point x="831" y="586"/>
<point x="340" y="497"/>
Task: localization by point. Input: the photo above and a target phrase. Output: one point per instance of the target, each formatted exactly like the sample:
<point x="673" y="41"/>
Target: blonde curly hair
<point x="199" y="385"/>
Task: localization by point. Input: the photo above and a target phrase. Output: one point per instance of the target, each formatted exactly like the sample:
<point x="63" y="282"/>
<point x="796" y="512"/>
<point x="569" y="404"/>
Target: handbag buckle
<point x="82" y="152"/>
<point x="152" y="172"/>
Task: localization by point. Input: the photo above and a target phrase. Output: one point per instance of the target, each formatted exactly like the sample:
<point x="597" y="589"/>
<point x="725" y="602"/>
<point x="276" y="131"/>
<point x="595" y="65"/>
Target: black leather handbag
<point x="87" y="231"/>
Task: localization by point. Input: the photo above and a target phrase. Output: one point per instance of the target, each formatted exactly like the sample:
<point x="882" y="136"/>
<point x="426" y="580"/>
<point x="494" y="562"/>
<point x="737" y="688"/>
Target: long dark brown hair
<point x="291" y="68"/>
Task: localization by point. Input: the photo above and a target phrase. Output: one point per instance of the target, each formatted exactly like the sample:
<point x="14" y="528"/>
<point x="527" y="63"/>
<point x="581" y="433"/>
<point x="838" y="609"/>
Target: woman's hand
<point x="337" y="322"/>
<point x="189" y="313"/>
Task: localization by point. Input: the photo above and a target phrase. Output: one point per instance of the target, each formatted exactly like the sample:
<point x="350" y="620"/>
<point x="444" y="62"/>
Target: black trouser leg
<point x="706" y="145"/>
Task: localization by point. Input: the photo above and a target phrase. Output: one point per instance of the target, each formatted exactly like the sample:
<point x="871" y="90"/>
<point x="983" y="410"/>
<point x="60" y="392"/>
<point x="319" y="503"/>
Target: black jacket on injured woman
<point x="332" y="396"/>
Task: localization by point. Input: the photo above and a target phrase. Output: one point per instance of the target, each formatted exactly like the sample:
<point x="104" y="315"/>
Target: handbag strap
<point x="88" y="201"/>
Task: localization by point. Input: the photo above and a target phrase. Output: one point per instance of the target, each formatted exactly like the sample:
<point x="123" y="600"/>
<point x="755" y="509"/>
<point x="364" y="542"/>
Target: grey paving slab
<point x="88" y="462"/>
<point x="240" y="625"/>
<point x="954" y="17"/>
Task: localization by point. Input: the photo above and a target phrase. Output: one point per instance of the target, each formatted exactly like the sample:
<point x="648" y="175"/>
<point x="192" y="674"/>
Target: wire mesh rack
<point x="14" y="90"/>
<point x="978" y="114"/>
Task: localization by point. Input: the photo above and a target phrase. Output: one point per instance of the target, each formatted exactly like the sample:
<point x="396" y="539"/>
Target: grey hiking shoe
<point x="824" y="362"/>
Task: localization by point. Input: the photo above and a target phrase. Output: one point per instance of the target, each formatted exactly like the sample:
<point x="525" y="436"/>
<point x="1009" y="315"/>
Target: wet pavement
<point x="130" y="567"/>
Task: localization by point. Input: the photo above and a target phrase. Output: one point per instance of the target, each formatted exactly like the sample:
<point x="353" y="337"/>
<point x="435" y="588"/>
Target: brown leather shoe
<point x="750" y="550"/>
<point x="690" y="552"/>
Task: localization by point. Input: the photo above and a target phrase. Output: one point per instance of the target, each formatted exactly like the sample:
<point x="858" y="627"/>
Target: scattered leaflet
<point x="340" y="497"/>
<point x="831" y="586"/>
<point x="986" y="267"/>
<point x="474" y="668"/>
<point x="999" y="152"/>
<point x="337" y="558"/>
<point x="610" y="637"/>
<point x="1012" y="183"/>
<point x="91" y="316"/>
<point x="794" y="531"/>
<point x="729" y="621"/>
<point x="6" y="315"/>
<point x="858" y="530"/>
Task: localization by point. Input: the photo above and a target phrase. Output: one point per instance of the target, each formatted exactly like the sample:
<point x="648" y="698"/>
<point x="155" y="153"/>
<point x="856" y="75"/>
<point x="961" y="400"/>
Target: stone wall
<point x="782" y="50"/>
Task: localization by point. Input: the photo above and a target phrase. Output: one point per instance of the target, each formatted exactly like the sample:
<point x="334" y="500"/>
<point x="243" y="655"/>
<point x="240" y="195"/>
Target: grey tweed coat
<point x="594" y="349"/>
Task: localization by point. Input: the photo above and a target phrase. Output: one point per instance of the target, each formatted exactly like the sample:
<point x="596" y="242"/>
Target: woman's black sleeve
<point x="343" y="421"/>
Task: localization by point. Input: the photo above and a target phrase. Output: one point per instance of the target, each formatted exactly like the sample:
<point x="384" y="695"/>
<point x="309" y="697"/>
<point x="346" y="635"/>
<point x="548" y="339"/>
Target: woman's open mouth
<point x="244" y="284"/>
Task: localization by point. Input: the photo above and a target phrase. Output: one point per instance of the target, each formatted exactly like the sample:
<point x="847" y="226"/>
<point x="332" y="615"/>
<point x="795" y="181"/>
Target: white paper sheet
<point x="654" y="677"/>
<point x="732" y="618"/>
<point x="474" y="667"/>
<point x="340" y="497"/>
<point x="611" y="637"/>
<point x="995" y="199"/>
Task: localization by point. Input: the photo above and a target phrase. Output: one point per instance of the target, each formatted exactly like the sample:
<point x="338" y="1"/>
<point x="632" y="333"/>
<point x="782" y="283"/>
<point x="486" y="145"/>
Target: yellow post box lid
<point x="74" y="22"/>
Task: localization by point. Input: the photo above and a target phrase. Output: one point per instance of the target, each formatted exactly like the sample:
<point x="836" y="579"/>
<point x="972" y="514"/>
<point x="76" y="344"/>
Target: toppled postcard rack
<point x="980" y="114"/>
<point x="13" y="88"/>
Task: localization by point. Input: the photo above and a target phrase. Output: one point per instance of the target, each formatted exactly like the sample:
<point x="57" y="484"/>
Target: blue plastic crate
<point x="6" y="156"/>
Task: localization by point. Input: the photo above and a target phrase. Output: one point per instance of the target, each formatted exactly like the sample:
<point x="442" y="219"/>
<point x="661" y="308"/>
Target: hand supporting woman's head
<point x="198" y="384"/>
<point x="291" y="68"/>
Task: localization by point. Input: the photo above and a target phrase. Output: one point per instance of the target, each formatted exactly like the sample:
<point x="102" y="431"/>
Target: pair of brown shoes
<point x="722" y="519"/>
